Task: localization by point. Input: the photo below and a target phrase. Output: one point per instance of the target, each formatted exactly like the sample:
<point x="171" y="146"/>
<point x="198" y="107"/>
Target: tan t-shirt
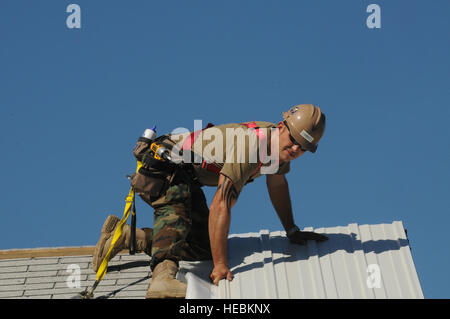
<point x="236" y="151"/>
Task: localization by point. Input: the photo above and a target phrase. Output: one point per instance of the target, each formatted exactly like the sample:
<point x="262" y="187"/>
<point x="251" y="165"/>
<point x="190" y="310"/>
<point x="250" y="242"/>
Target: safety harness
<point x="189" y="141"/>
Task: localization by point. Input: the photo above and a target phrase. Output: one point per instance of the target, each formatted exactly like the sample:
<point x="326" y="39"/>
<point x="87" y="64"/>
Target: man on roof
<point x="228" y="157"/>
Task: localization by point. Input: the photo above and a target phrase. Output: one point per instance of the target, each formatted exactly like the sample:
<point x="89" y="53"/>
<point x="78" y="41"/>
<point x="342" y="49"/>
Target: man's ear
<point x="281" y="126"/>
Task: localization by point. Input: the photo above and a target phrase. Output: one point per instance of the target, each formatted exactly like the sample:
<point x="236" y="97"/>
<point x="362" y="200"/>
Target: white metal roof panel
<point x="358" y="261"/>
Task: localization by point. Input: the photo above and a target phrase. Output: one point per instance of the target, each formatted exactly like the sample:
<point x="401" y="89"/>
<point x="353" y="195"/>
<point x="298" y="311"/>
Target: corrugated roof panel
<point x="358" y="261"/>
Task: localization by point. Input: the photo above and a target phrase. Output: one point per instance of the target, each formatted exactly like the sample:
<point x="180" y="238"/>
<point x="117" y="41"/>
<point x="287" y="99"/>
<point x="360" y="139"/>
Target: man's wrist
<point x="220" y="263"/>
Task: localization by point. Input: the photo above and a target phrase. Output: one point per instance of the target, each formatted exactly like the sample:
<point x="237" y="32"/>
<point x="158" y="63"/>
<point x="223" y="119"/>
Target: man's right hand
<point x="219" y="272"/>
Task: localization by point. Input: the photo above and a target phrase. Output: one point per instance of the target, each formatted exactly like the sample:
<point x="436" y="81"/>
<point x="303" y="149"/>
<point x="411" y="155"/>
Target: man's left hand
<point x="301" y="237"/>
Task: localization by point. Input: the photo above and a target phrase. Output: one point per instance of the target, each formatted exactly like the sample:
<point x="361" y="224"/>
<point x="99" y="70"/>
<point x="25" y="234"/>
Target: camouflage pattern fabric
<point x="180" y="229"/>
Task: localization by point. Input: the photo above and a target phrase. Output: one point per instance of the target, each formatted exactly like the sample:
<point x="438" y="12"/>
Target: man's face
<point x="288" y="151"/>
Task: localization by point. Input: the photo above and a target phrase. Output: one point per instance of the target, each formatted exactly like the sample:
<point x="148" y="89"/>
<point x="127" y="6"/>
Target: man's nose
<point x="295" y="148"/>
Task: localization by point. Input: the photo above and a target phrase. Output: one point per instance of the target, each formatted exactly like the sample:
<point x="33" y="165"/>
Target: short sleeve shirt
<point x="237" y="151"/>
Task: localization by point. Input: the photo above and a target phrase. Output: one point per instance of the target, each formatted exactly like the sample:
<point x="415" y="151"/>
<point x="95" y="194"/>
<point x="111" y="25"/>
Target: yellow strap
<point x="129" y="201"/>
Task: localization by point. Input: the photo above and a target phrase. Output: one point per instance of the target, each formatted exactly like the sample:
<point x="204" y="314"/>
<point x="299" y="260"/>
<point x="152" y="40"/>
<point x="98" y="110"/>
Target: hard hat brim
<point x="296" y="135"/>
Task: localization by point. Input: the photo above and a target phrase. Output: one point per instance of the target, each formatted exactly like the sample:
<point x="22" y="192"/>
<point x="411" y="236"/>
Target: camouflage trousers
<point x="180" y="228"/>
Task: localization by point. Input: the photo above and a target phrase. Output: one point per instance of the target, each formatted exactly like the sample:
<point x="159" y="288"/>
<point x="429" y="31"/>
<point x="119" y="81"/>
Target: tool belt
<point x="155" y="175"/>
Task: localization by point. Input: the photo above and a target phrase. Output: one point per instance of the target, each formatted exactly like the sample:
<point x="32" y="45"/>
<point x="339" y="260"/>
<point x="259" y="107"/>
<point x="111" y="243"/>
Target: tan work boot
<point x="163" y="283"/>
<point x="143" y="241"/>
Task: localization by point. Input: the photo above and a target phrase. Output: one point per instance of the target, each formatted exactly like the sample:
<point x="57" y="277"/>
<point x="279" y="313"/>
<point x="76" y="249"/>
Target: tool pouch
<point x="155" y="176"/>
<point x="142" y="147"/>
<point x="150" y="184"/>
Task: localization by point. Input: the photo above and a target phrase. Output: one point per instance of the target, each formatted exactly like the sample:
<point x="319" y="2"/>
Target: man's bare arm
<point x="278" y="188"/>
<point x="219" y="224"/>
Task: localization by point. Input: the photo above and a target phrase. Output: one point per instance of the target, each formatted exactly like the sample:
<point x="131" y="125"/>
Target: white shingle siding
<point x="47" y="277"/>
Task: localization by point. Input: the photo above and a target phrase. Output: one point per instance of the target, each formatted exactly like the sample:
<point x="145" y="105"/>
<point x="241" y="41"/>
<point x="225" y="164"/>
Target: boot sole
<point x="108" y="226"/>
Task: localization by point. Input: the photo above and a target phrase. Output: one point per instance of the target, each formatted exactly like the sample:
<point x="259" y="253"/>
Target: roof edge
<point x="47" y="252"/>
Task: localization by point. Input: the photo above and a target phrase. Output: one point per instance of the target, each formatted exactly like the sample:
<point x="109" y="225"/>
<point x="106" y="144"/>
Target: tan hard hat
<point x="306" y="124"/>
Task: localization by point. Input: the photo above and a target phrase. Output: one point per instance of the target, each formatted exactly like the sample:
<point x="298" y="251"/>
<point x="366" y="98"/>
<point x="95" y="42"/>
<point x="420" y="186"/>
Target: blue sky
<point x="74" y="101"/>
